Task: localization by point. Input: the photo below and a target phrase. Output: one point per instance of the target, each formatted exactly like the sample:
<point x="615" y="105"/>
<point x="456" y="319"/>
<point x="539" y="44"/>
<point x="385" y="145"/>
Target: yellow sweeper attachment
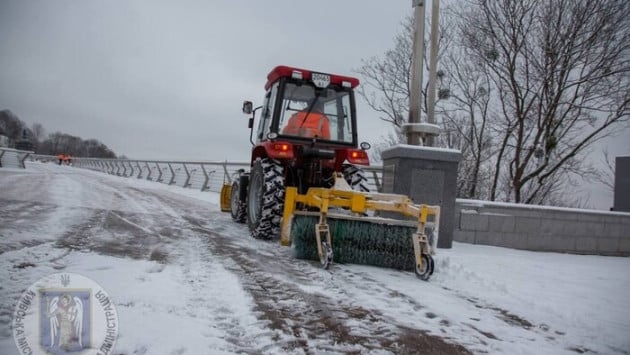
<point x="226" y="194"/>
<point x="341" y="229"/>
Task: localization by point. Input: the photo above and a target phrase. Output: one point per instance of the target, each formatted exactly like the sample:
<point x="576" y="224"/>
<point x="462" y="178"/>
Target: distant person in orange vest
<point x="61" y="158"/>
<point x="309" y="124"/>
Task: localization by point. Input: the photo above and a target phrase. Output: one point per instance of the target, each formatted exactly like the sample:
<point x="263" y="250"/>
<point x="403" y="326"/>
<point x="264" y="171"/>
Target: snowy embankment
<point x="187" y="280"/>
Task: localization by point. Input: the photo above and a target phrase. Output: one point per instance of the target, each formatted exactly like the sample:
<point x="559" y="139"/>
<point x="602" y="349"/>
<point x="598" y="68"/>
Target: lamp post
<point x="416" y="131"/>
<point x="413" y="137"/>
<point x="433" y="67"/>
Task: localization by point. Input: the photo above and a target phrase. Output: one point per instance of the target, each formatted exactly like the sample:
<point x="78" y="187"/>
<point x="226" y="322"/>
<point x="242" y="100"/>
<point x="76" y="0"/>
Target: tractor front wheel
<point x="265" y="198"/>
<point x="238" y="208"/>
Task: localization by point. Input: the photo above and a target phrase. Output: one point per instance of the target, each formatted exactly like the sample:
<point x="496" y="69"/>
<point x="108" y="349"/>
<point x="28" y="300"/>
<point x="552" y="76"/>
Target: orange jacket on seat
<point x="315" y="124"/>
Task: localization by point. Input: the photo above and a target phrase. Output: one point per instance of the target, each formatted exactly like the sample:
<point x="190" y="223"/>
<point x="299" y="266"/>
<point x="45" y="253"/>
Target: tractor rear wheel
<point x="355" y="177"/>
<point x="238" y="208"/>
<point x="265" y="198"/>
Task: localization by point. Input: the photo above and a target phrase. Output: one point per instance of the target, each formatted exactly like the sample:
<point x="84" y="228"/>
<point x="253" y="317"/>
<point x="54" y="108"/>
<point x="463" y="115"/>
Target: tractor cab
<point x="307" y="110"/>
<point x="301" y="105"/>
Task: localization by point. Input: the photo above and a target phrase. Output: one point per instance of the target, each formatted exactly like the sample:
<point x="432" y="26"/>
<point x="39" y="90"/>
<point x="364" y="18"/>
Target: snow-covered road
<point x="187" y="280"/>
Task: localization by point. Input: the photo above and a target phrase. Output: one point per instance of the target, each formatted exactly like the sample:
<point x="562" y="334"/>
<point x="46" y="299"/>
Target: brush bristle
<point x="357" y="241"/>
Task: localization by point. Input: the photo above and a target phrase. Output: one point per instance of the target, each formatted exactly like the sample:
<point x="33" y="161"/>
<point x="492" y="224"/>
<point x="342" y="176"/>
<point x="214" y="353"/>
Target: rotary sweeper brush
<point x="349" y="235"/>
<point x="306" y="184"/>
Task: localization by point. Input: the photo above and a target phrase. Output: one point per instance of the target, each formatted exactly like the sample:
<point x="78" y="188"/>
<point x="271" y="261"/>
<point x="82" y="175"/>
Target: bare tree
<point x="466" y="122"/>
<point x="532" y="85"/>
<point x="463" y="116"/>
<point x="606" y="176"/>
<point x="560" y="72"/>
<point x="64" y="143"/>
<point x="387" y="80"/>
<point x="386" y="85"/>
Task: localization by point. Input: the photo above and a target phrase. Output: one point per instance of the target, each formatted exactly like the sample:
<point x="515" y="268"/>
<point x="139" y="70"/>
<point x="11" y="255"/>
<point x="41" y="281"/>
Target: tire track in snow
<point x="275" y="260"/>
<point x="302" y="320"/>
<point x="313" y="321"/>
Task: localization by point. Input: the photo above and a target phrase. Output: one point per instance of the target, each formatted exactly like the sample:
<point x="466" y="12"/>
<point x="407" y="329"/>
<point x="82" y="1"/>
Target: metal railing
<point x="200" y="175"/>
<point x="13" y="158"/>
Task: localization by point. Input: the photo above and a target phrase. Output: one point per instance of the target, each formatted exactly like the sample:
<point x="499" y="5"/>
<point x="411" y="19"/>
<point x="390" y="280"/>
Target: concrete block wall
<point x="542" y="228"/>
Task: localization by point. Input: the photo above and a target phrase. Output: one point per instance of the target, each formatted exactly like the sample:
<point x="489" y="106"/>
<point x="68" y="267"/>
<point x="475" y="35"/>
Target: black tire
<point x="428" y="265"/>
<point x="265" y="198"/>
<point x="238" y="208"/>
<point x="355" y="177"/>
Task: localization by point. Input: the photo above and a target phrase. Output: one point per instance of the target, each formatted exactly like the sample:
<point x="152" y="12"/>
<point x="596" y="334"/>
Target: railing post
<point x="226" y="174"/>
<point x="187" y="182"/>
<point x="204" y="187"/>
<point x="23" y="159"/>
<point x="124" y="173"/>
<point x="117" y="168"/>
<point x="376" y="181"/>
<point x="172" y="174"/>
<point x="139" y="170"/>
<point x="1" y="154"/>
<point x="159" y="169"/>
<point x="148" y="170"/>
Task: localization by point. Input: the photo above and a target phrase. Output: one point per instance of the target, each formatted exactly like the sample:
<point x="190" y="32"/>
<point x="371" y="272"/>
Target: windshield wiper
<point x="310" y="109"/>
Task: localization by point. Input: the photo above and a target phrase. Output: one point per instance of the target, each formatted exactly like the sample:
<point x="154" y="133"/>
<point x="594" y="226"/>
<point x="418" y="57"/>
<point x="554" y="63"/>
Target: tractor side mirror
<point x="247" y="107"/>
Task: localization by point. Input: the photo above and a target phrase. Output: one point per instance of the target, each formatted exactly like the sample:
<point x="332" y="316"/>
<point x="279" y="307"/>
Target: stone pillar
<point x="621" y="201"/>
<point x="427" y="175"/>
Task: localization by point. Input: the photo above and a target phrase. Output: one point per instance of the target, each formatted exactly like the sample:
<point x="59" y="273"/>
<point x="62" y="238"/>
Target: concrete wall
<point x="542" y="228"/>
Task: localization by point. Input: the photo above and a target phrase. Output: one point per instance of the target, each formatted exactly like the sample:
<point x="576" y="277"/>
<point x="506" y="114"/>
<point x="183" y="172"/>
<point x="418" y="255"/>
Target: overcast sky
<point x="156" y="79"/>
<point x="166" y="79"/>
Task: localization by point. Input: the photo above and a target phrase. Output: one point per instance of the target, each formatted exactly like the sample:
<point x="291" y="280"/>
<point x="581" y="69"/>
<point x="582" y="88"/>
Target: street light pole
<point x="413" y="137"/>
<point x="435" y="28"/>
<point x="422" y="133"/>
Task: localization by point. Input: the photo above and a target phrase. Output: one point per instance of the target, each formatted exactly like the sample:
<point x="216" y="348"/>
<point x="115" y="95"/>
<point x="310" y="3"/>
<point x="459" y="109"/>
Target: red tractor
<point x="306" y="135"/>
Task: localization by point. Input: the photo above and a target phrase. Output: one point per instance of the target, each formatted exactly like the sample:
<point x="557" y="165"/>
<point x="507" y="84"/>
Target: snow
<point x="421" y="147"/>
<point x="479" y="204"/>
<point x="186" y="279"/>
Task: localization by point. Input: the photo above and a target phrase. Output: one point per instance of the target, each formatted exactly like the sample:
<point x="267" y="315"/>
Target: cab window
<point x="264" y="123"/>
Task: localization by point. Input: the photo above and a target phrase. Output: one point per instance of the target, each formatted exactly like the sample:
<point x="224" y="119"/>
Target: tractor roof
<point x="285" y="71"/>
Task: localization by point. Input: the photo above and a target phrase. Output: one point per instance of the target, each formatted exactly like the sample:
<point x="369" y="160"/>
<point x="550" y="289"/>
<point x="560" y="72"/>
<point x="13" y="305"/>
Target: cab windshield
<point x="310" y="112"/>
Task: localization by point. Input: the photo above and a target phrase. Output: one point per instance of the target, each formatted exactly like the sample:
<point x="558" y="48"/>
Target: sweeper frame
<point x="359" y="205"/>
